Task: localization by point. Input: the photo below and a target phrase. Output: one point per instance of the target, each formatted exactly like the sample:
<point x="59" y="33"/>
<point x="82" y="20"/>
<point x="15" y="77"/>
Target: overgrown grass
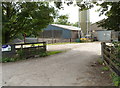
<point x="53" y="52"/>
<point x="100" y="61"/>
<point x="41" y="54"/>
<point x="57" y="43"/>
<point x="4" y="60"/>
<point x="48" y="53"/>
<point x="115" y="79"/>
<point x="64" y="43"/>
<point x="69" y="43"/>
<point x="105" y="68"/>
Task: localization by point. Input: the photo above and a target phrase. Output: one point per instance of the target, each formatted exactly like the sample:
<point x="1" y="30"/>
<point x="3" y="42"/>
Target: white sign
<point x="6" y="48"/>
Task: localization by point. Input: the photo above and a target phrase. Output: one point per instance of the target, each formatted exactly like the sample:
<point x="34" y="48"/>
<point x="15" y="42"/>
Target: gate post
<point x="44" y="46"/>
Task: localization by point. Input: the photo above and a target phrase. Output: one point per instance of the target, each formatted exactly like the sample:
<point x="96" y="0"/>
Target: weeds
<point x="100" y="61"/>
<point x="115" y="79"/>
<point x="105" y="68"/>
<point x="21" y="55"/>
<point x="4" y="60"/>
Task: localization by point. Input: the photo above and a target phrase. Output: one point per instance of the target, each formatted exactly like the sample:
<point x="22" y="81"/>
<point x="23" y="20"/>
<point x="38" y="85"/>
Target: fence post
<point x="44" y="45"/>
<point x="102" y="48"/>
<point x="13" y="48"/>
<point x="70" y="40"/>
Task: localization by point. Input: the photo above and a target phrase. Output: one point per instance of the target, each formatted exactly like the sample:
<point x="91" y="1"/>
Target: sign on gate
<point x="6" y="48"/>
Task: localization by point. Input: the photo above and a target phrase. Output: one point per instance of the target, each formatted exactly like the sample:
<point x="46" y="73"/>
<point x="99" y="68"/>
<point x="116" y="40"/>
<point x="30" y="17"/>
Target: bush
<point x="8" y="60"/>
<point x="43" y="54"/>
<point x="117" y="47"/>
<point x="21" y="55"/>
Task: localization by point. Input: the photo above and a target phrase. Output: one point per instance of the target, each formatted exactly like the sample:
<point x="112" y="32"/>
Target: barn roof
<point x="66" y="27"/>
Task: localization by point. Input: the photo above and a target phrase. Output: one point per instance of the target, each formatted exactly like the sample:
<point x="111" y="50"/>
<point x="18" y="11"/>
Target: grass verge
<point x="41" y="54"/>
<point x="115" y="78"/>
<point x="64" y="43"/>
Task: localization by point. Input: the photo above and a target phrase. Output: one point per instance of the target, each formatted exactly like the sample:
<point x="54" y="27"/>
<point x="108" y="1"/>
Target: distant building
<point x="93" y="30"/>
<point x="103" y="34"/>
<point x="61" y="31"/>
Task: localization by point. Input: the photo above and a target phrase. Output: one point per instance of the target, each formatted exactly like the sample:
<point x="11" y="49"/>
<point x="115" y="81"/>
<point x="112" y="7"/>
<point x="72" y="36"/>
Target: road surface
<point x="71" y="68"/>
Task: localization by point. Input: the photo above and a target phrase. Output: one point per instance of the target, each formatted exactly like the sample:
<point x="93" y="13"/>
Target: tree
<point x="76" y="24"/>
<point x="113" y="13"/>
<point x="24" y="18"/>
<point x="63" y="19"/>
<point x="112" y="22"/>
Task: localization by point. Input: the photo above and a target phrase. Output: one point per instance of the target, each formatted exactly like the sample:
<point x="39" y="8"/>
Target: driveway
<point x="71" y="68"/>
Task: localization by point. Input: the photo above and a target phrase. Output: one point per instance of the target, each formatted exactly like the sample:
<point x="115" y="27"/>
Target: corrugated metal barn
<point x="60" y="31"/>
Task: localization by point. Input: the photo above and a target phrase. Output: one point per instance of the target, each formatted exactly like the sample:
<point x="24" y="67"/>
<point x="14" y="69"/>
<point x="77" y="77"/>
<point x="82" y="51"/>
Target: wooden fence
<point x="29" y="49"/>
<point x="109" y="54"/>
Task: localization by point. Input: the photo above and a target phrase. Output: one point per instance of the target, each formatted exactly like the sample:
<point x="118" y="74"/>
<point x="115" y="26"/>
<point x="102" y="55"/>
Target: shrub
<point x="117" y="47"/>
<point x="8" y="60"/>
<point x="20" y="54"/>
<point x="43" y="54"/>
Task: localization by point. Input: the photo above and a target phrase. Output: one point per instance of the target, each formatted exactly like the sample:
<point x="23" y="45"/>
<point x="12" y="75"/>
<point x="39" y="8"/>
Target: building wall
<point x="74" y="34"/>
<point x="93" y="29"/>
<point x="116" y="35"/>
<point x="104" y="36"/>
<point x="56" y="32"/>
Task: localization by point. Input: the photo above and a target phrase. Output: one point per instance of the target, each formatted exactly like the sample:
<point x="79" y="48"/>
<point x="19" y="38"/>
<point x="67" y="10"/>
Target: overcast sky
<point x="72" y="12"/>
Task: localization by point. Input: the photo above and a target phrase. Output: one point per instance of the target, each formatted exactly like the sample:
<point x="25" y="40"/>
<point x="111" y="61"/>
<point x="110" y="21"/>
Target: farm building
<point x="61" y="31"/>
<point x="104" y="35"/>
<point x="94" y="30"/>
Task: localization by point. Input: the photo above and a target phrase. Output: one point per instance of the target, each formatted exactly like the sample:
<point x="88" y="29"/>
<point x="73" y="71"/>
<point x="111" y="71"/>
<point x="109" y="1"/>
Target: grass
<point x="53" y="52"/>
<point x="105" y="68"/>
<point x="29" y="45"/>
<point x="4" y="60"/>
<point x="69" y="43"/>
<point x="115" y="79"/>
<point x="100" y="61"/>
<point x="64" y="43"/>
<point x="41" y="54"/>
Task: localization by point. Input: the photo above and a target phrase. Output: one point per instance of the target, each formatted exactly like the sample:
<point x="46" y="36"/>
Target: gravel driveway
<point x="71" y="68"/>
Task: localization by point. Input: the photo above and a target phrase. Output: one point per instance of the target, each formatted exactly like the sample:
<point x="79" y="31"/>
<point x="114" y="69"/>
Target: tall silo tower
<point x="84" y="21"/>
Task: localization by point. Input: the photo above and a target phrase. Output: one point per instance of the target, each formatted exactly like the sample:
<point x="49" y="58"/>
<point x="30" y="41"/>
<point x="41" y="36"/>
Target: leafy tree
<point x="76" y="24"/>
<point x="63" y="19"/>
<point x="112" y="22"/>
<point x="24" y="18"/>
<point x="113" y="13"/>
